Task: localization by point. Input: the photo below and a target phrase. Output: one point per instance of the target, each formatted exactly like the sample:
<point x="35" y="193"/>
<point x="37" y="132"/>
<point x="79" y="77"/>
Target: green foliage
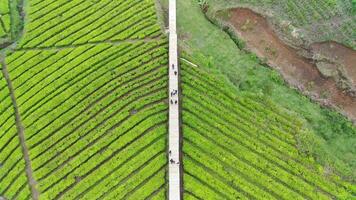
<point x="4" y="7"/>
<point x="11" y="22"/>
<point x="12" y="164"/>
<point x="16" y="7"/>
<point x="203" y="5"/>
<point x="337" y="125"/>
<point x="94" y="88"/>
<point x="240" y="43"/>
<point x="242" y="147"/>
<point x="89" y="21"/>
<point x="4" y="19"/>
<point x="93" y="109"/>
<point x="245" y="73"/>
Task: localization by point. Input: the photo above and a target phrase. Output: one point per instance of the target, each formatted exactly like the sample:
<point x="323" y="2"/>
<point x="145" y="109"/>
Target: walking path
<point x="174" y="162"/>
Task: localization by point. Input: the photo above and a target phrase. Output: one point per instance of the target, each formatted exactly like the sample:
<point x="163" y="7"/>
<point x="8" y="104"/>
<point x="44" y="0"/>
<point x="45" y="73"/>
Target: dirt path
<point x="296" y="70"/>
<point x="20" y="130"/>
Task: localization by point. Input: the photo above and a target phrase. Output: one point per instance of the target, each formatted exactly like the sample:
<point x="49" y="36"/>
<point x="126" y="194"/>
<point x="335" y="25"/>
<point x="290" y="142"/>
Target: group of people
<point x="173" y="100"/>
<point x="171" y="161"/>
<point x="175" y="71"/>
<point x="174" y="92"/>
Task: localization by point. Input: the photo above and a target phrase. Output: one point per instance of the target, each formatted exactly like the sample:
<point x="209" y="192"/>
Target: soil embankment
<point x="297" y="70"/>
<point x="341" y="59"/>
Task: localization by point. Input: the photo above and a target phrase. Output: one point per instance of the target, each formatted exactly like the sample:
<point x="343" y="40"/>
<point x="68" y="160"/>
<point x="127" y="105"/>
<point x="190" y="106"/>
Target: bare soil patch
<point x="342" y="58"/>
<point x="297" y="70"/>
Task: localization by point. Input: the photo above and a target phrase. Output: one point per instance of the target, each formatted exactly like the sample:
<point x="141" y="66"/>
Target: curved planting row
<point x="4" y="19"/>
<point x="94" y="110"/>
<point x="63" y="23"/>
<point x="95" y="118"/>
<point x="12" y="163"/>
<point x="238" y="147"/>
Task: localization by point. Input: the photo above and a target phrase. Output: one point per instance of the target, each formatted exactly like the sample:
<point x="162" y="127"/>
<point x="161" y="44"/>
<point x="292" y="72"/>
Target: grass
<point x="16" y="8"/>
<point x="332" y="137"/>
<point x="241" y="147"/>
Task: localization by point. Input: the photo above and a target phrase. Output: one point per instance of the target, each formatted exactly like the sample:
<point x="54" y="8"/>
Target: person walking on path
<point x="174" y="171"/>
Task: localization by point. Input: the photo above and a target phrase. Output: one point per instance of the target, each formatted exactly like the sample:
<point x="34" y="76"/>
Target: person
<point x="175" y="73"/>
<point x="170" y="152"/>
<point x="175" y="102"/>
<point x="172" y="66"/>
<point x="172" y="161"/>
<point x="171" y="101"/>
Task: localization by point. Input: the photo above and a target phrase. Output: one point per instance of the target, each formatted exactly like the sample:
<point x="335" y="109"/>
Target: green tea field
<point x="4" y="19"/>
<point x="241" y="147"/>
<point x="177" y="99"/>
<point x="89" y="95"/>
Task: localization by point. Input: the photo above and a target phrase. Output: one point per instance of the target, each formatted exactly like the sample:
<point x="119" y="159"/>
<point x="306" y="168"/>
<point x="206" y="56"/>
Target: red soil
<point x="298" y="71"/>
<point x="341" y="54"/>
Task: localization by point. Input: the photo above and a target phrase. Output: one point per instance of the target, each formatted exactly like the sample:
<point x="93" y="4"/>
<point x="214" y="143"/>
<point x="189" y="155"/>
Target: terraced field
<point x="61" y="23"/>
<point x="12" y="164"/>
<point x="241" y="147"/>
<point x="89" y="81"/>
<point x="4" y="19"/>
<point x="84" y="108"/>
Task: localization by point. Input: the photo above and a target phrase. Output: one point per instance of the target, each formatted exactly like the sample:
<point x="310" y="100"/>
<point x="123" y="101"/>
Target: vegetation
<point x="331" y="138"/>
<point x="87" y="82"/>
<point x="61" y="23"/>
<point x="90" y="81"/>
<point x="10" y="21"/>
<point x="12" y="164"/>
<point x="17" y="21"/>
<point x="237" y="146"/>
<point x="82" y="107"/>
<point x="309" y="20"/>
<point x="4" y="19"/>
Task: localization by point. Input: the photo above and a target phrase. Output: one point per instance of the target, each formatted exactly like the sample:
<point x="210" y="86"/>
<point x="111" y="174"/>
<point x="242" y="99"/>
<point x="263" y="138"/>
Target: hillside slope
<point x="90" y="82"/>
<point x="304" y="22"/>
<point x="13" y="178"/>
<point x="242" y="147"/>
<point x="333" y="138"/>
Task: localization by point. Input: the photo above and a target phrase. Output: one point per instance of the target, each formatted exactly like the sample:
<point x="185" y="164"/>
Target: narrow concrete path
<point x="174" y="148"/>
